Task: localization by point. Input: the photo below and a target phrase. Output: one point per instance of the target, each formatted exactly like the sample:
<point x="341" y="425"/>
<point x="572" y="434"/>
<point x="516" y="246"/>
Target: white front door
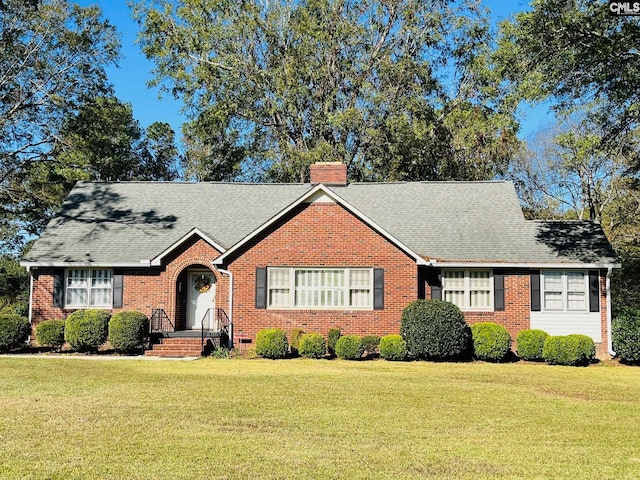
<point x="201" y="299"/>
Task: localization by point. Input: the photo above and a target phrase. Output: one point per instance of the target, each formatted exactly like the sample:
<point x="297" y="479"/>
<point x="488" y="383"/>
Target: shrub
<point x="625" y="334"/>
<point x="332" y="338"/>
<point x="128" y="331"/>
<point x="491" y="342"/>
<point x="14" y="331"/>
<point x="50" y="334"/>
<point x="371" y="344"/>
<point x="87" y="330"/>
<point x="349" y="347"/>
<point x="271" y="343"/>
<point x="435" y="329"/>
<point x="294" y="340"/>
<point x="530" y="344"/>
<point x="569" y="350"/>
<point x="393" y="347"/>
<point x="312" y="345"/>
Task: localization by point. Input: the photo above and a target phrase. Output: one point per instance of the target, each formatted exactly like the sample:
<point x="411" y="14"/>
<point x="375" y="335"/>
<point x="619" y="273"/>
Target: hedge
<point x="625" y="334"/>
<point x="573" y="350"/>
<point x="312" y="345"/>
<point x="271" y="343"/>
<point x="50" y="333"/>
<point x="435" y="330"/>
<point x="128" y="331"/>
<point x="530" y="344"/>
<point x="349" y="347"/>
<point x="393" y="347"/>
<point x="14" y="331"/>
<point x="491" y="341"/>
<point x="87" y="330"/>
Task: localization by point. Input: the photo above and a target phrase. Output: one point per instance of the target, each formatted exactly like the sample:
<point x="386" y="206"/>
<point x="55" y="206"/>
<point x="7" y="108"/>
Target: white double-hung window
<point x="85" y="288"/>
<point x="468" y="289"/>
<point x="565" y="290"/>
<point x="320" y="288"/>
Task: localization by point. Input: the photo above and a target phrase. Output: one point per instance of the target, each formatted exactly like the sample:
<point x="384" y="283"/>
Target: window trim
<point x="88" y="287"/>
<point x="467" y="288"/>
<point x="346" y="289"/>
<point x="565" y="291"/>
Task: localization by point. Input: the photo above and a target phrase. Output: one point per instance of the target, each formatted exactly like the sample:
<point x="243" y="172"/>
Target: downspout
<point x="30" y="299"/>
<point x="230" y="275"/>
<point x="608" y="293"/>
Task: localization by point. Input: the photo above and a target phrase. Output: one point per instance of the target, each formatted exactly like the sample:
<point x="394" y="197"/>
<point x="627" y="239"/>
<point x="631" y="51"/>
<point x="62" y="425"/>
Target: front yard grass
<point x="135" y="419"/>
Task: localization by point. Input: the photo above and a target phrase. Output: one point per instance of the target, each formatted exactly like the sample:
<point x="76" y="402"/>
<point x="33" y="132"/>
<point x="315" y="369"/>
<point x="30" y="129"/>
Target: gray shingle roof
<point x="111" y="223"/>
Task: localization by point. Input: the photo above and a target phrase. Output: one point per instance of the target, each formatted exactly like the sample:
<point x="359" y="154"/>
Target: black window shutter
<point x="118" y="283"/>
<point x="535" y="290"/>
<point x="435" y="282"/>
<point x="594" y="291"/>
<point x="261" y="288"/>
<point x="498" y="291"/>
<point x="58" y="288"/>
<point x="378" y="288"/>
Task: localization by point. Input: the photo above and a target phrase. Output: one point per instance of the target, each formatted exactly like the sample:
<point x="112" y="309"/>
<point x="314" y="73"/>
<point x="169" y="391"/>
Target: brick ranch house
<point x="242" y="257"/>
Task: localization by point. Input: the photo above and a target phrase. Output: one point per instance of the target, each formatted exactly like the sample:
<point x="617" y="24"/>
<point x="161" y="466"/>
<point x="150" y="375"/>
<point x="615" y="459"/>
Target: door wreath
<point x="203" y="284"/>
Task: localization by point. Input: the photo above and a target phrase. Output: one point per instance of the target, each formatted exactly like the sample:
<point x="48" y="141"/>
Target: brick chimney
<point x="329" y="173"/>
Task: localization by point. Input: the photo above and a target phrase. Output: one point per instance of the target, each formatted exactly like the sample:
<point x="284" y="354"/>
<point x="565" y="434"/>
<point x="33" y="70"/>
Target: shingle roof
<point x="111" y="223"/>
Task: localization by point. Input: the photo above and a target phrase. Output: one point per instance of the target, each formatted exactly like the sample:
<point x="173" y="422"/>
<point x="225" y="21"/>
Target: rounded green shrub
<point x="491" y="342"/>
<point x="530" y="344"/>
<point x="128" y="331"/>
<point x="294" y="340"/>
<point x="625" y="335"/>
<point x="312" y="345"/>
<point x="393" y="347"/>
<point x="271" y="343"/>
<point x="371" y="344"/>
<point x="573" y="350"/>
<point x="332" y="338"/>
<point x="435" y="330"/>
<point x="14" y="331"/>
<point x="87" y="330"/>
<point x="349" y="347"/>
<point x="50" y="333"/>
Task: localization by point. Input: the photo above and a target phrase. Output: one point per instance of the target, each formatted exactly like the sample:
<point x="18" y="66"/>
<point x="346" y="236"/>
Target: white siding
<point x="566" y="323"/>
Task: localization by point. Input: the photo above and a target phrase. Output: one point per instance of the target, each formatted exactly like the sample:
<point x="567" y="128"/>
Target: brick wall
<point x="517" y="313"/>
<point x="144" y="289"/>
<point x="317" y="235"/>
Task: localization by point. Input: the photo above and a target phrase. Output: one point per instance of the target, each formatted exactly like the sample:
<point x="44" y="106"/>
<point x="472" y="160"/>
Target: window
<point x="89" y="288"/>
<point x="468" y="289"/>
<point x="318" y="288"/>
<point x="564" y="290"/>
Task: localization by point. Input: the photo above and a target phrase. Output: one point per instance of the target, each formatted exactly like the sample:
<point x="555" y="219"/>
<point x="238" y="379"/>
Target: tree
<point x="275" y="86"/>
<point x="104" y="142"/>
<point x="14" y="287"/>
<point x="567" y="172"/>
<point x="575" y="52"/>
<point x="53" y="58"/>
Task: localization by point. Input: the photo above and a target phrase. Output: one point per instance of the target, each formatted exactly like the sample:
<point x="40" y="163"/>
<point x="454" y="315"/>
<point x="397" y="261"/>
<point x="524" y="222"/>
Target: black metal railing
<point x="215" y="327"/>
<point x="160" y="322"/>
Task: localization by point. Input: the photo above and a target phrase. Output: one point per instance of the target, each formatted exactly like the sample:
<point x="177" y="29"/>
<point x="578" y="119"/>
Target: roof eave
<point x="157" y="261"/>
<point x="485" y="264"/>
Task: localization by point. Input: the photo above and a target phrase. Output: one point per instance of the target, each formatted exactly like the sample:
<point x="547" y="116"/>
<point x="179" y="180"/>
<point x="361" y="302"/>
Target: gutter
<point x="609" y="314"/>
<point x="230" y="275"/>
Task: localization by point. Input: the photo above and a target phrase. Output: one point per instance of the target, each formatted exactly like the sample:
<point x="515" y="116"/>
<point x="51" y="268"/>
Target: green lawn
<point x="73" y="418"/>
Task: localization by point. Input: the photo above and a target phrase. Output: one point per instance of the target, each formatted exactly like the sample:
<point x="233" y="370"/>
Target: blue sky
<point x="130" y="78"/>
